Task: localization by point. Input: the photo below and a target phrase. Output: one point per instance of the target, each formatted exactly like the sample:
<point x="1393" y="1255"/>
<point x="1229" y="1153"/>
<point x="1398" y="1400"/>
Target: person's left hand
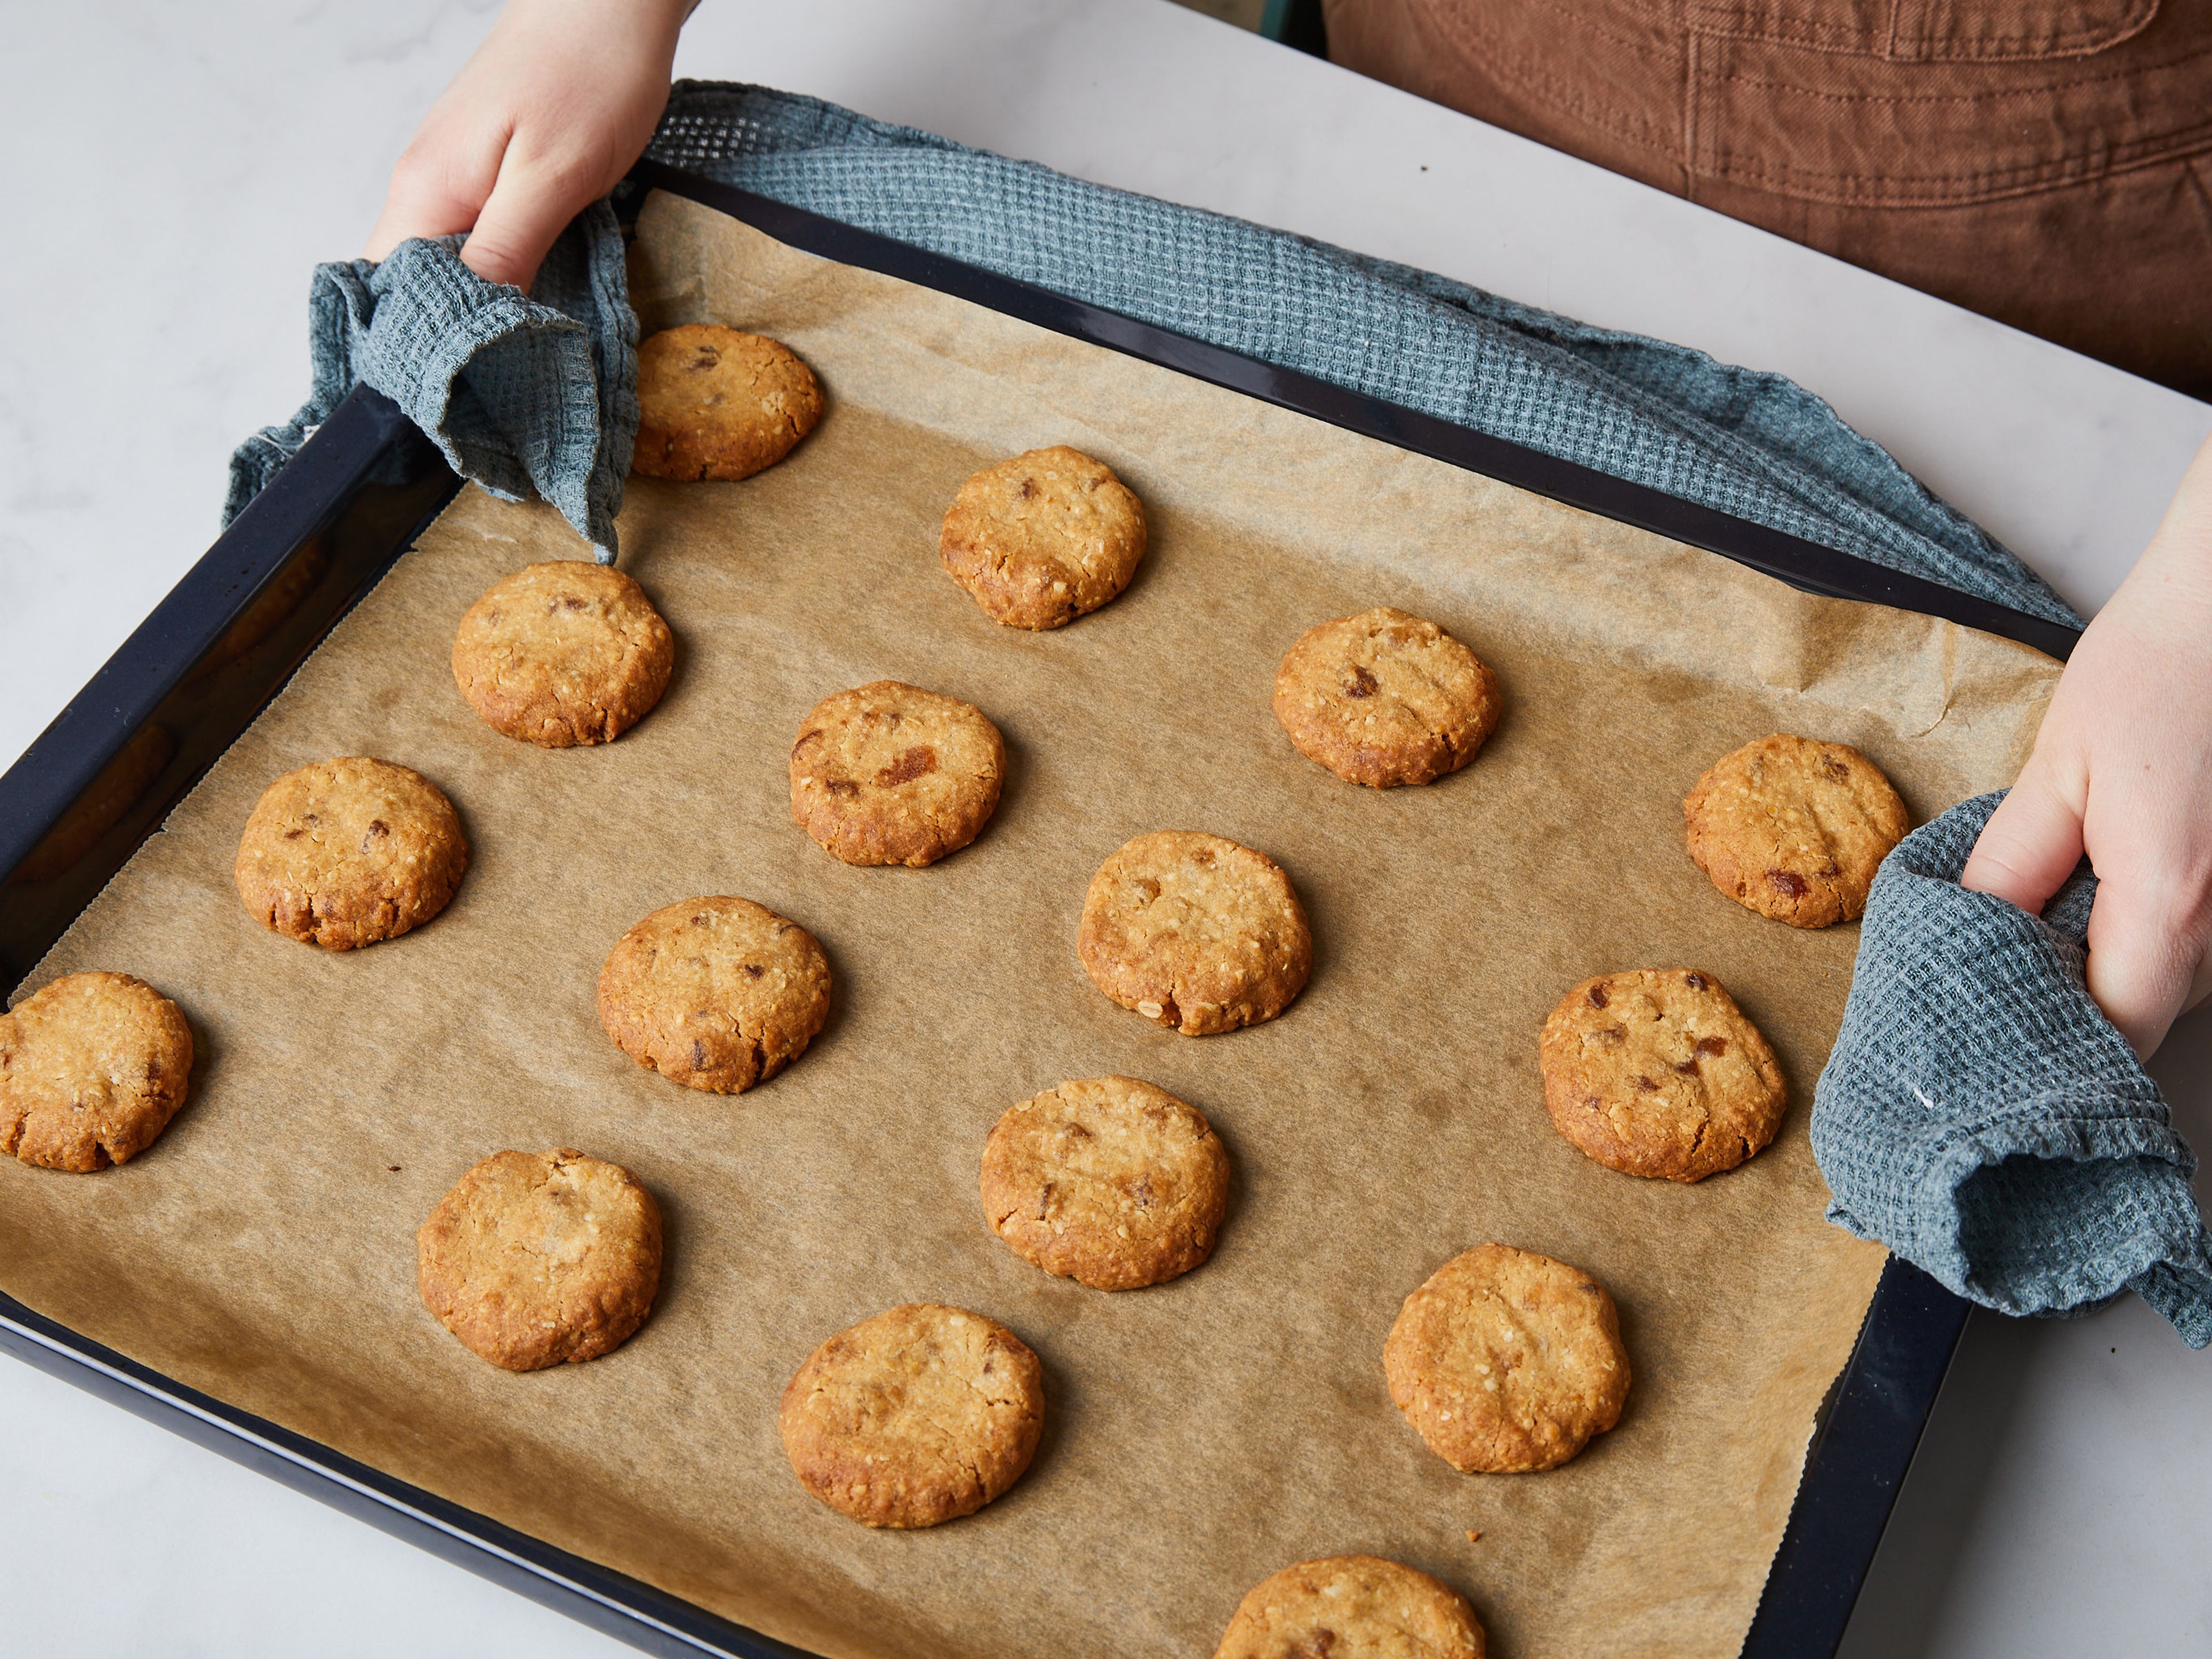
<point x="2122" y="771"/>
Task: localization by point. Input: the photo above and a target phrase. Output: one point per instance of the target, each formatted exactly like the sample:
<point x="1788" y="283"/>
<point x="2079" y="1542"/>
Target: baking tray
<point x="104" y="775"/>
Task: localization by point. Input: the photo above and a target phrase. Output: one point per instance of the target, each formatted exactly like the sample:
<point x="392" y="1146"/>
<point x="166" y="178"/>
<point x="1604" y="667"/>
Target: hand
<point x="558" y="102"/>
<point x="2122" y="771"/>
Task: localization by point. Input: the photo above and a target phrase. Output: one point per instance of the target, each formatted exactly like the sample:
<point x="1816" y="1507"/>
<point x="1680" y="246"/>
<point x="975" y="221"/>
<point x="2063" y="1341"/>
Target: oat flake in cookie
<point x="921" y="1414"/>
<point x="563" y="654"/>
<point x="92" y="1069"/>
<point x="535" y="1259"/>
<point x="1658" y="1072"/>
<point x="1194" y="931"/>
<point x="1386" y="698"/>
<point x="1353" y="1606"/>
<point x="344" y="853"/>
<point x="1043" y="539"/>
<point x="1107" y="1181"/>
<point x="716" y="994"/>
<point x="1794" y="828"/>
<point x="1507" y="1361"/>
<point x="891" y="773"/>
<point x="717" y="403"/>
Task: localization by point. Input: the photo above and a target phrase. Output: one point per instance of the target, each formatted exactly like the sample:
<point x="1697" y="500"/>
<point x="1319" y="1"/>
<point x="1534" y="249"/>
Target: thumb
<point x="529" y="206"/>
<point x="2030" y="845"/>
<point x="2140" y="963"/>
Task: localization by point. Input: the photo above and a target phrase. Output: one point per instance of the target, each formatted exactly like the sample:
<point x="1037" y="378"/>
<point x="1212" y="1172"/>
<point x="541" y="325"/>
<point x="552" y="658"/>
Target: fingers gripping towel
<point x="526" y="394"/>
<point x="1981" y="1117"/>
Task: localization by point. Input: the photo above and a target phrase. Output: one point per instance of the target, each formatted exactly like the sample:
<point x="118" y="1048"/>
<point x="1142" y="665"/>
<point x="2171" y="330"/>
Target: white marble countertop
<point x="178" y="170"/>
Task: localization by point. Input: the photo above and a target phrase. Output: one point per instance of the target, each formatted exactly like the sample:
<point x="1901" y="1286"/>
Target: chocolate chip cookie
<point x="1795" y="828"/>
<point x="1386" y="698"/>
<point x="537" y="1258"/>
<point x="1194" y="931"/>
<point x="1107" y="1181"/>
<point x="891" y="773"/>
<point x="92" y="1069"/>
<point x="1043" y="539"/>
<point x="1507" y="1361"/>
<point x="716" y="994"/>
<point x="347" y="852"/>
<point x="563" y="654"/>
<point x="1353" y="1606"/>
<point x="1658" y="1072"/>
<point x="921" y="1414"/>
<point x="717" y="403"/>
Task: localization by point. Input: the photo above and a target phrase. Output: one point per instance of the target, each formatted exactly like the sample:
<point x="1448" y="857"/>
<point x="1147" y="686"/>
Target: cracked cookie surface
<point x="92" y="1069"/>
<point x="921" y="1414"/>
<point x="345" y="853"/>
<point x="563" y="654"/>
<point x="1043" y="539"/>
<point x="888" y="773"/>
<point x="1353" y="1606"/>
<point x="1795" y="828"/>
<point x="1107" y="1181"/>
<point x="1386" y="698"/>
<point x="1658" y="1072"/>
<point x="537" y="1259"/>
<point x="718" y="403"/>
<point x="716" y="994"/>
<point x="1195" y="932"/>
<point x="1506" y="1361"/>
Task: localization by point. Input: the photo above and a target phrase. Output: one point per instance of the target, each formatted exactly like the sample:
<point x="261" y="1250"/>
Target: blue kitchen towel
<point x="1981" y="1117"/>
<point x="1978" y="1114"/>
<point x="527" y="394"/>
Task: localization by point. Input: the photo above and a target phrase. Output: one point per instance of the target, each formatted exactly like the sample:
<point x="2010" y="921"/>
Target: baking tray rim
<point x="1867" y="1431"/>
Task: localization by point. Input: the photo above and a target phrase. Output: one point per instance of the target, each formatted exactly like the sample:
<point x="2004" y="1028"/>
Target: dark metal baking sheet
<point x="100" y="780"/>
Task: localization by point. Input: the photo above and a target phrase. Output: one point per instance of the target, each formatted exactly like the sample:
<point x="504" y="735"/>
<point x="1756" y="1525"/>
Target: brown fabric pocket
<point x="1927" y="31"/>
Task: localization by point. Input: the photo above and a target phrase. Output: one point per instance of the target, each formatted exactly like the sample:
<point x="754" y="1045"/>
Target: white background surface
<point x="176" y="170"/>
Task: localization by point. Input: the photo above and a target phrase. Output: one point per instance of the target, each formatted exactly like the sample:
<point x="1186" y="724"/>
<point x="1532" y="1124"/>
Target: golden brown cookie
<point x="1107" y="1181"/>
<point x="1352" y="1607"/>
<point x="1194" y="931"/>
<point x="1385" y="698"/>
<point x="1794" y="828"/>
<point x="348" y="852"/>
<point x="889" y="773"/>
<point x="715" y="993"/>
<point x="535" y="1258"/>
<point x="563" y="654"/>
<point x="1507" y="1361"/>
<point x="1045" y="537"/>
<point x="921" y="1414"/>
<point x="715" y="403"/>
<point x="1658" y="1072"/>
<point x="92" y="1069"/>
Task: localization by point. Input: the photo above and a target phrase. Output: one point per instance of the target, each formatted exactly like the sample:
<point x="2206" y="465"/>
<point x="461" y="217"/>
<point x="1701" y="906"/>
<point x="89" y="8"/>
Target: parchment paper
<point x="1200" y="1435"/>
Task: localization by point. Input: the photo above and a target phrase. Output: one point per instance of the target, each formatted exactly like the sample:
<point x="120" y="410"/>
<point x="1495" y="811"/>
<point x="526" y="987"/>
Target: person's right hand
<point x="544" y="120"/>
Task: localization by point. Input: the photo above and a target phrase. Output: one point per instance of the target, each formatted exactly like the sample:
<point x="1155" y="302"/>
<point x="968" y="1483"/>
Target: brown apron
<point x="2046" y="163"/>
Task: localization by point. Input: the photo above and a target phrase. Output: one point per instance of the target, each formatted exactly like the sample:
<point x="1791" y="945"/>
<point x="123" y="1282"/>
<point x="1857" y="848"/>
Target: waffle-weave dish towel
<point x="528" y="394"/>
<point x="1981" y="1117"/>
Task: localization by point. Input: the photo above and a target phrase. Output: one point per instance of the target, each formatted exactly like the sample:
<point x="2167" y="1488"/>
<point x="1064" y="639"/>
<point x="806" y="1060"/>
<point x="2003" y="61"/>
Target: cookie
<point x="537" y="1258"/>
<point x="1194" y="931"/>
<point x="889" y="773"/>
<point x="921" y="1414"/>
<point x="1659" y="1073"/>
<point x="92" y="1069"/>
<point x="1043" y="539"/>
<point x="1107" y="1181"/>
<point x="715" y="403"/>
<point x="1385" y="698"/>
<point x="1794" y="828"/>
<point x="715" y="993"/>
<point x="1352" y="1607"/>
<point x="1507" y="1361"/>
<point x="563" y="654"/>
<point x="348" y="852"/>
